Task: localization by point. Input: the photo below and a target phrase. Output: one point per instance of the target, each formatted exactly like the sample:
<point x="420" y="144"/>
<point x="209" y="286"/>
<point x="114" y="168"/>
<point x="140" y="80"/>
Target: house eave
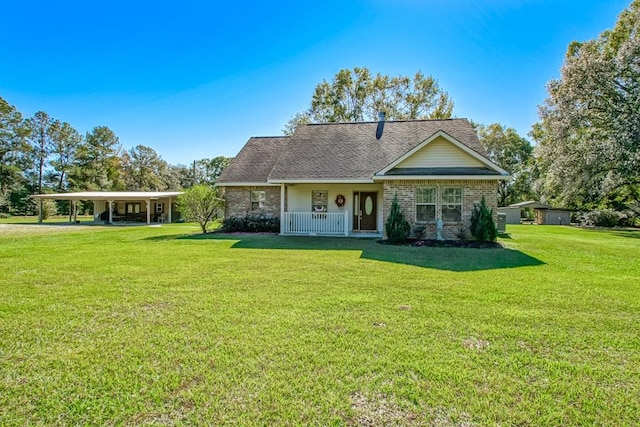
<point x="320" y="181"/>
<point x="441" y="177"/>
<point x="245" y="184"/>
<point x="109" y="195"/>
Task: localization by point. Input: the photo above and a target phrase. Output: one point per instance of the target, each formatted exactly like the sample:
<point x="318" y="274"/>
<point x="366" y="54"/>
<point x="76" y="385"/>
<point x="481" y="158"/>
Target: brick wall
<point x="238" y="200"/>
<point x="472" y="193"/>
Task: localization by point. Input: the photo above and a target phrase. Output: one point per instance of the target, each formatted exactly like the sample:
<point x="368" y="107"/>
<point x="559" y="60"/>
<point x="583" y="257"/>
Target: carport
<point x="110" y="206"/>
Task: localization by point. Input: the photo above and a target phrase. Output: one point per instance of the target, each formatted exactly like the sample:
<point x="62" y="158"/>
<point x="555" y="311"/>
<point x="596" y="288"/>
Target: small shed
<point x="553" y="216"/>
<point x="545" y="214"/>
<point x="512" y="214"/>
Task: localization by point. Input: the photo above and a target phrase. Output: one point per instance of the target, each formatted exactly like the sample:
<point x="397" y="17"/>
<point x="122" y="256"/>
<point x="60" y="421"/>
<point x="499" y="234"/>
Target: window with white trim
<point x="452" y="204"/>
<point x="425" y="204"/>
<point x="258" y="200"/>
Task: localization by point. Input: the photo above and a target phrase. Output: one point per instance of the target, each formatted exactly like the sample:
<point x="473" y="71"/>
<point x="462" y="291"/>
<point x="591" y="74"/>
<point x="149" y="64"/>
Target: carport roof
<point x="530" y="204"/>
<point x="109" y="195"/>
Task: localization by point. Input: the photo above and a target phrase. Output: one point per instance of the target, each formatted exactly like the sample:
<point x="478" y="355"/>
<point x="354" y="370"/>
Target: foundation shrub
<point x="396" y="227"/>
<point x="483" y="228"/>
<point x="259" y="222"/>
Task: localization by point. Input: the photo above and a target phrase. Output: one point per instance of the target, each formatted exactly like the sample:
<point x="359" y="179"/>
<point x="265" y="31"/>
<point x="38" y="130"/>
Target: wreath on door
<point x="340" y="201"/>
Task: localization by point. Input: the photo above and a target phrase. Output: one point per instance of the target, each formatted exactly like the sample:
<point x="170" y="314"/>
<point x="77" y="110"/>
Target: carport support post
<point x="169" y="211"/>
<point x="70" y="210"/>
<point x="40" y="213"/>
<point x="110" y="211"/>
<point x="148" y="211"/>
<point x="75" y="210"/>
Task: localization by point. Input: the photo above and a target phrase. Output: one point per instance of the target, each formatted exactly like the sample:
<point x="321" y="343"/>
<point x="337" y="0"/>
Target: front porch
<point x="322" y="224"/>
<point x="331" y="209"/>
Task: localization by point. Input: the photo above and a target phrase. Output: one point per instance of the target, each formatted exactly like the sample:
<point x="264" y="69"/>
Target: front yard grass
<point x="159" y="325"/>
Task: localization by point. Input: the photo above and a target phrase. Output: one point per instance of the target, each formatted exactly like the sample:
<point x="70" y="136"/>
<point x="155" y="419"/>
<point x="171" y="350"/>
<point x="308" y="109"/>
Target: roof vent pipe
<point x="381" y="117"/>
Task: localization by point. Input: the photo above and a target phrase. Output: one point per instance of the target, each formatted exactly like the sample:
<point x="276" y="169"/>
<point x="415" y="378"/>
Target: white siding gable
<point x="440" y="153"/>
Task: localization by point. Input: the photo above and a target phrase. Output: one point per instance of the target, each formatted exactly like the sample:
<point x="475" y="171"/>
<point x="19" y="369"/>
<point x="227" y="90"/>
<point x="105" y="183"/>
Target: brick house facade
<point x="238" y="200"/>
<point x="437" y="168"/>
<point x="472" y="193"/>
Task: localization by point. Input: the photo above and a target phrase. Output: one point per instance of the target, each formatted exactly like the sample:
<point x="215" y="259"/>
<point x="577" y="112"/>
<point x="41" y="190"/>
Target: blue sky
<point x="196" y="79"/>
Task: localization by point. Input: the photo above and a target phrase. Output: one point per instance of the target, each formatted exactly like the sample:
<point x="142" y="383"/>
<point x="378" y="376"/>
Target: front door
<point x="132" y="211"/>
<point x="365" y="211"/>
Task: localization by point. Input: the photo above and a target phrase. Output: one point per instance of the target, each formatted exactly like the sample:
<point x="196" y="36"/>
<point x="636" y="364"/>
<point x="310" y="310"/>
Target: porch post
<point x="346" y="222"/>
<point x="95" y="208"/>
<point x="169" y="211"/>
<point x="148" y="211"/>
<point x="70" y="210"/>
<point x="110" y="211"/>
<point x="75" y="210"/>
<point x="282" y="195"/>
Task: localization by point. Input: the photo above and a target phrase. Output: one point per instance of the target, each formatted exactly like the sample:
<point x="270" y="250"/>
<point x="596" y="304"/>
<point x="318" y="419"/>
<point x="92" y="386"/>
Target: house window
<point x="159" y="207"/>
<point x="425" y="204"/>
<point x="319" y="200"/>
<point x="258" y="200"/>
<point x="452" y="204"/>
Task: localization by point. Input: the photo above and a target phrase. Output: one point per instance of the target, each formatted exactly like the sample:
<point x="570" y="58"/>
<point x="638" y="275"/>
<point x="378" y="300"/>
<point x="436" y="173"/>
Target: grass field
<point x="158" y="325"/>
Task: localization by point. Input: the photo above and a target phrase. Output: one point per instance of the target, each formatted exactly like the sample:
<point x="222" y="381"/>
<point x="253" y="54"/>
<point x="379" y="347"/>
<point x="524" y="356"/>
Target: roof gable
<point x="442" y="151"/>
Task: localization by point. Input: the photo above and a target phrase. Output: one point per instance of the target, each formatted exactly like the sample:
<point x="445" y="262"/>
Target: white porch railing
<point x="311" y="223"/>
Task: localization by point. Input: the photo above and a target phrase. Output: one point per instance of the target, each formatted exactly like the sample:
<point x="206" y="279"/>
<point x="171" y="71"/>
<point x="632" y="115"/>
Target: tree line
<point x="585" y="153"/>
<point x="41" y="154"/>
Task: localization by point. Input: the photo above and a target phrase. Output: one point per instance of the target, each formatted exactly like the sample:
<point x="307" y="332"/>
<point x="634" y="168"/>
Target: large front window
<point x="452" y="204"/>
<point x="425" y="204"/>
<point x="258" y="200"/>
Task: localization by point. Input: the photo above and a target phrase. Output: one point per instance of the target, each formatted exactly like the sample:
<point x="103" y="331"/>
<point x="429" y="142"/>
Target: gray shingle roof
<point x="351" y="150"/>
<point x="338" y="151"/>
<point x="255" y="161"/>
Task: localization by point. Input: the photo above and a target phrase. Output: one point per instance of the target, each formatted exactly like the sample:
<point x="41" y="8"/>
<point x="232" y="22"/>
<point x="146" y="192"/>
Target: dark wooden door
<point x="365" y="218"/>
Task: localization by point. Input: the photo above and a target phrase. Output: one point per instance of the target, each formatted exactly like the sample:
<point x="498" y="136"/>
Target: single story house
<point x="131" y="206"/>
<point x="341" y="178"/>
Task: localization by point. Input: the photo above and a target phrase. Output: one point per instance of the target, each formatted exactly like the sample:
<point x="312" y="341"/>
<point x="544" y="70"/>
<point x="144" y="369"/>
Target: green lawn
<point x="157" y="325"/>
<point x="30" y="219"/>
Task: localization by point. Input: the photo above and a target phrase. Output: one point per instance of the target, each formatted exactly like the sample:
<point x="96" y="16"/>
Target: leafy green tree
<point x="14" y="151"/>
<point x="357" y="95"/>
<point x="144" y="169"/>
<point x="47" y="209"/>
<point x="207" y="171"/>
<point x="98" y="165"/>
<point x="589" y="131"/>
<point x="65" y="141"/>
<point x="200" y="203"/>
<point x="515" y="155"/>
<point x="178" y="177"/>
<point x="396" y="226"/>
<point x="40" y="136"/>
